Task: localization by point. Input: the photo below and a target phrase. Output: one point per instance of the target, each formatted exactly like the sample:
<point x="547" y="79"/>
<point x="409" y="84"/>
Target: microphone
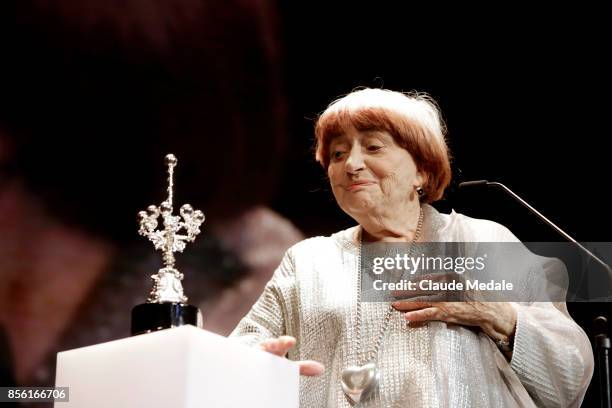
<point x="602" y="344"/>
<point x="485" y="183"/>
<point x="600" y="326"/>
<point x="475" y="183"/>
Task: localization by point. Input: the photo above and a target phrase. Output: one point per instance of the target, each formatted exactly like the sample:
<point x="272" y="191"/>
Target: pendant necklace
<point x="360" y="381"/>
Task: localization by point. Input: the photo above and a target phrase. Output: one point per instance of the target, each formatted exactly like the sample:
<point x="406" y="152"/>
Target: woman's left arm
<point x="552" y="355"/>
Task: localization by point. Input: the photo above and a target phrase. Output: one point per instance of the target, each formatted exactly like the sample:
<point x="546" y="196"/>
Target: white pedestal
<point x="184" y="367"/>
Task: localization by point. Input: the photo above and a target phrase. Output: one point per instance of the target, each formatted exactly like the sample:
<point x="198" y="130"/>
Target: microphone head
<point x="600" y="325"/>
<point x="474" y="183"/>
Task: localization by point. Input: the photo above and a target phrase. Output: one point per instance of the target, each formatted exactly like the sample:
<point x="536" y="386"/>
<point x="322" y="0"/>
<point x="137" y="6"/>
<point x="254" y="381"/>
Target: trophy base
<point x="150" y="317"/>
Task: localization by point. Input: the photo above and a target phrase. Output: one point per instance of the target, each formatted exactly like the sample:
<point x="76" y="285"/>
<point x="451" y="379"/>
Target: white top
<point x="313" y="295"/>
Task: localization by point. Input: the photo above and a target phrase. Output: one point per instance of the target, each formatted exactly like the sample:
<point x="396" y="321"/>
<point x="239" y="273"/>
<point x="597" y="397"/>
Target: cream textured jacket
<point x="313" y="295"/>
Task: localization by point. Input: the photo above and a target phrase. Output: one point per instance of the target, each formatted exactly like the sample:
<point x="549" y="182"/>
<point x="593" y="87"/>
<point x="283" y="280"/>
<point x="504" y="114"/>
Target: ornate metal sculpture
<point x="167" y="304"/>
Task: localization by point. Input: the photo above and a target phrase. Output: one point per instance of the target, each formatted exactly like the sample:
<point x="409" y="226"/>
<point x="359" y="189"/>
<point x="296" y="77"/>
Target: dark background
<point x="524" y="93"/>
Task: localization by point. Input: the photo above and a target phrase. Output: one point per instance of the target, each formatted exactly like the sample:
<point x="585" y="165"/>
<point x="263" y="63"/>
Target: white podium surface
<point x="183" y="367"/>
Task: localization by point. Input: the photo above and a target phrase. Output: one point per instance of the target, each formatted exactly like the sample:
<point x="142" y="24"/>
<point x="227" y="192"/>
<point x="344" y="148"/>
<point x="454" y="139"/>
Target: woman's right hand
<point x="281" y="345"/>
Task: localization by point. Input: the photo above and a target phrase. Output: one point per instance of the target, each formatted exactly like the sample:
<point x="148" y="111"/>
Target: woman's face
<point x="370" y="174"/>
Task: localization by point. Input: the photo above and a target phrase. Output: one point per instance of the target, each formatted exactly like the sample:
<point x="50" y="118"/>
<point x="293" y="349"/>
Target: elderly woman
<point x="387" y="160"/>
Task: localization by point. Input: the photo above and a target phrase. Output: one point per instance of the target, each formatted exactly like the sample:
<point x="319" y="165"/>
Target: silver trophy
<point x="167" y="304"/>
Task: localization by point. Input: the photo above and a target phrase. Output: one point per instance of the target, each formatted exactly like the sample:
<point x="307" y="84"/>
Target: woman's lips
<point x="357" y="185"/>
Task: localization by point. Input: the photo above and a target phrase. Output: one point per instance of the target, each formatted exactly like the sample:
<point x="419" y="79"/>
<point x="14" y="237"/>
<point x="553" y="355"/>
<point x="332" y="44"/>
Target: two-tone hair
<point x="412" y="119"/>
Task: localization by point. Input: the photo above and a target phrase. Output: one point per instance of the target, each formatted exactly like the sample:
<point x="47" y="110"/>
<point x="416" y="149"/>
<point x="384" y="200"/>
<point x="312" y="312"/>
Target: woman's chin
<point x="359" y="210"/>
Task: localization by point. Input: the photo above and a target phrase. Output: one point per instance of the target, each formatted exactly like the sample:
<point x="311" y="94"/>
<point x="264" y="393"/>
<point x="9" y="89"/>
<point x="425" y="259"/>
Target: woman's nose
<point x="354" y="161"/>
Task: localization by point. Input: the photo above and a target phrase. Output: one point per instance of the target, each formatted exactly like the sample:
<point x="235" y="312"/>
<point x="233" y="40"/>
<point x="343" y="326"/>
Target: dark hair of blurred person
<point x="95" y="93"/>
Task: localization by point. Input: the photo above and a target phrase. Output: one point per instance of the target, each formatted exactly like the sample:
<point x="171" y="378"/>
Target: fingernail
<point x="318" y="368"/>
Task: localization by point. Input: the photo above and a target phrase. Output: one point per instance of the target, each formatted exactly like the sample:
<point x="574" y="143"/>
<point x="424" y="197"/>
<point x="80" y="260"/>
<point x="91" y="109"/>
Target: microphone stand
<point x="602" y="345"/>
<point x="539" y="215"/>
<point x="602" y="341"/>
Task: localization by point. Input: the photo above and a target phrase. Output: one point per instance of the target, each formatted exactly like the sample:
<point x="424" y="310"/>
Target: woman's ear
<point x="420" y="179"/>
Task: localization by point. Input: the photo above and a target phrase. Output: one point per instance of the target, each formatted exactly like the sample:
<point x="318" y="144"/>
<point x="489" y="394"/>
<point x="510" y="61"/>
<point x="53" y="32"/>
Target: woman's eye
<point x="373" y="148"/>
<point x="337" y="154"/>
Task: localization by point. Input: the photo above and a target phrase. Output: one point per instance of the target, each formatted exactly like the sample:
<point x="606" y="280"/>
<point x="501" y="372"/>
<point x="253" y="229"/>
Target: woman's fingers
<point x="279" y="346"/>
<point x="427" y="314"/>
<point x="404" y="306"/>
<point x="311" y="368"/>
<point x="427" y="288"/>
<point x="497" y="319"/>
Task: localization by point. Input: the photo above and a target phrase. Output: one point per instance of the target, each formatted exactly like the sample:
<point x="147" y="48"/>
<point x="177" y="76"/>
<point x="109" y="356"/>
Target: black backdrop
<point x="523" y="93"/>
